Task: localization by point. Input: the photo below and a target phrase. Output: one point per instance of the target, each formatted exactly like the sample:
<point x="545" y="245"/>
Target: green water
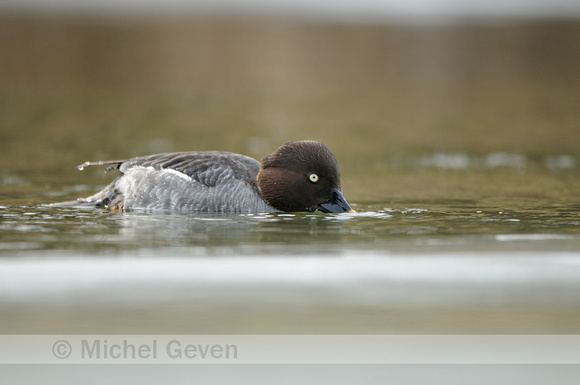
<point x="401" y="227"/>
<point x="447" y="239"/>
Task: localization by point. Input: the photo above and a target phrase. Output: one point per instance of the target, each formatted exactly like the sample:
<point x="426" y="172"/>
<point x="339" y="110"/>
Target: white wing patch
<point x="176" y="173"/>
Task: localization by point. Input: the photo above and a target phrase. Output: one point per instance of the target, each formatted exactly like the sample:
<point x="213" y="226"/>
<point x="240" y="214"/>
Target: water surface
<point x="439" y="266"/>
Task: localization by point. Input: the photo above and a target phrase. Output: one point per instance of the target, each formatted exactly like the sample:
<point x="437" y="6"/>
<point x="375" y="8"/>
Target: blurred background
<point x="456" y="124"/>
<point x="418" y="99"/>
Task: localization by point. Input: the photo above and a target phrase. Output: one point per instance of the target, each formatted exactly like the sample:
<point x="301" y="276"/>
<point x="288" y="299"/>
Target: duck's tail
<point x="100" y="199"/>
<point x="112" y="164"/>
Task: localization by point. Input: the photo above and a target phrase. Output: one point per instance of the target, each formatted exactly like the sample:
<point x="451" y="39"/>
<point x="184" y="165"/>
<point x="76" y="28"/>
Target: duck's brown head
<point x="302" y="176"/>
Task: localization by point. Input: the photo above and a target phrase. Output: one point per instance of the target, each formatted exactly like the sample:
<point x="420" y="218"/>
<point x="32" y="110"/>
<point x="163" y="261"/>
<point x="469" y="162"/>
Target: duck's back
<point x="210" y="181"/>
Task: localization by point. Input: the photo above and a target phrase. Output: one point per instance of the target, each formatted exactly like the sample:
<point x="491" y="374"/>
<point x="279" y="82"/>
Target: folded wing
<point x="200" y="181"/>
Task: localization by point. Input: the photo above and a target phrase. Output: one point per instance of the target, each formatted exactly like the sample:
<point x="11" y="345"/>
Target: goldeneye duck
<point x="298" y="176"/>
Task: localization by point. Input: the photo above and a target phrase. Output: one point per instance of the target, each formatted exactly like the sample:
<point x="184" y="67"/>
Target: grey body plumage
<point x="209" y="181"/>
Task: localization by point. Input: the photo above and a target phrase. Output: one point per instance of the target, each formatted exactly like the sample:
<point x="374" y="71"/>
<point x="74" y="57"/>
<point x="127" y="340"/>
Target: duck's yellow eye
<point x="313" y="178"/>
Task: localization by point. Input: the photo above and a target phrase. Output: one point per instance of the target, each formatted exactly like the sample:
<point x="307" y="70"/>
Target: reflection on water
<point x="434" y="226"/>
<point x="414" y="267"/>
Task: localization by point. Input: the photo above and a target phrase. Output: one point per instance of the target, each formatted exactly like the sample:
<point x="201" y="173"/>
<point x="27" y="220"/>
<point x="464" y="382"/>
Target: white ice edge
<point x="540" y="277"/>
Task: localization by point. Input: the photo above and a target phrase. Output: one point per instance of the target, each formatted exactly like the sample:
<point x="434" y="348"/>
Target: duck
<point x="299" y="176"/>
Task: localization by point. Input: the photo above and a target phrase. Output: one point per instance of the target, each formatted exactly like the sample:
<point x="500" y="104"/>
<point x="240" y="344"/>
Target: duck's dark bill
<point x="337" y="204"/>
